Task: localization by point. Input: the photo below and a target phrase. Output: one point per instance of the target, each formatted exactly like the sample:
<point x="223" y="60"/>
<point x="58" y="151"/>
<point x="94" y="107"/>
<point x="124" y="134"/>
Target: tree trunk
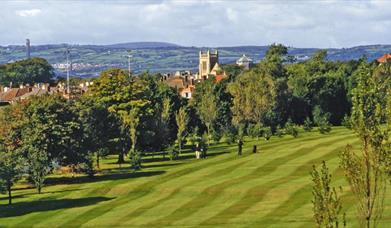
<point x="180" y="145"/>
<point x="121" y="158"/>
<point x="368" y="183"/>
<point x="9" y="193"/>
<point x="97" y="160"/>
<point x="208" y="130"/>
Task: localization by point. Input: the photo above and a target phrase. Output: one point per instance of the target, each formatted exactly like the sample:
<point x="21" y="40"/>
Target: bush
<point x="279" y="132"/>
<point x="135" y="159"/>
<point x="322" y="120"/>
<point x="173" y="152"/>
<point x="308" y="125"/>
<point x="291" y="129"/>
<point x="267" y="133"/>
<point x="346" y="122"/>
<point x="254" y="130"/>
<point x="324" y="126"/>
<point x="215" y="136"/>
<point x="229" y="136"/>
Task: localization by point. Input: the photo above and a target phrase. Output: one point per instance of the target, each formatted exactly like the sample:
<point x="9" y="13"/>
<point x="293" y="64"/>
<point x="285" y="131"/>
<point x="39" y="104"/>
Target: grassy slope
<point x="268" y="189"/>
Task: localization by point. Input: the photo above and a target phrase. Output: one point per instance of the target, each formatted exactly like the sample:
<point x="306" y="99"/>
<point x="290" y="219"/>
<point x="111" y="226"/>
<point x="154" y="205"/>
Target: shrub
<point x="346" y="122"/>
<point x="229" y="136"/>
<point x="322" y="120"/>
<point x="279" y="132"/>
<point x="308" y="125"/>
<point x="291" y="129"/>
<point x="324" y="126"/>
<point x="173" y="152"/>
<point x="267" y="133"/>
<point x="254" y="130"/>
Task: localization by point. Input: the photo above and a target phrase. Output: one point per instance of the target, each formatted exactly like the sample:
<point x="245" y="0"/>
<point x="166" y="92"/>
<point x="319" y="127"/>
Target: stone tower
<point x="207" y="61"/>
<point x="27" y="48"/>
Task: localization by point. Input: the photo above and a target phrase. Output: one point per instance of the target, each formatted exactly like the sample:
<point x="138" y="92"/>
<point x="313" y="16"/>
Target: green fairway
<point x="269" y="189"/>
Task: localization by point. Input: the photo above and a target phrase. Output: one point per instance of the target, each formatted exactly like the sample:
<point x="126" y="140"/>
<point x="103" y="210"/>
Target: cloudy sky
<point x="299" y="23"/>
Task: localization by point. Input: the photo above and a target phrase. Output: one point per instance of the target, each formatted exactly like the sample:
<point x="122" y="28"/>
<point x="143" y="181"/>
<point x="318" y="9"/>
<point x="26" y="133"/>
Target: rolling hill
<point x="90" y="60"/>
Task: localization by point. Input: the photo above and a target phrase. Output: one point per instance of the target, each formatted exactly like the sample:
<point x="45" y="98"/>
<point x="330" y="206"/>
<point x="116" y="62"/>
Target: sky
<point x="295" y="23"/>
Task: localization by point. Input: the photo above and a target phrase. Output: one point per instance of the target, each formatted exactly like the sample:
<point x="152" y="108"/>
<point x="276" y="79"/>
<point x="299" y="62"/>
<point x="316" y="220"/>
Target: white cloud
<point x="304" y="23"/>
<point x="28" y="13"/>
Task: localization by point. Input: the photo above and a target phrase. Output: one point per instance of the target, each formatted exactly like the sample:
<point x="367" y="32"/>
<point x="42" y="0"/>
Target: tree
<point x="128" y="99"/>
<point x="181" y="119"/>
<point x="131" y="120"/>
<point x="100" y="127"/>
<point x="39" y="166"/>
<point x="34" y="70"/>
<point x="327" y="205"/>
<point x="364" y="172"/>
<point x="10" y="169"/>
<point x="205" y="103"/>
<point x="253" y="95"/>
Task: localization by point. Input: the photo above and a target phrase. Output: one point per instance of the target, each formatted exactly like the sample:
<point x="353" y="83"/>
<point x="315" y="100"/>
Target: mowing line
<point x="254" y="194"/>
<point x="209" y="194"/>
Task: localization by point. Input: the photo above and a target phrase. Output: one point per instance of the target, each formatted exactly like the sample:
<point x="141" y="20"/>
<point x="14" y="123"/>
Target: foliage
<point x="279" y="132"/>
<point x="327" y="205"/>
<point x="308" y="125"/>
<point x="267" y="133"/>
<point x="182" y="120"/>
<point x="321" y="120"/>
<point x="291" y="129"/>
<point x="346" y="122"/>
<point x="255" y="130"/>
<point x="253" y="95"/>
<point x="173" y="152"/>
<point x="364" y="171"/>
<point x="29" y="71"/>
<point x="206" y="103"/>
<point x="11" y="169"/>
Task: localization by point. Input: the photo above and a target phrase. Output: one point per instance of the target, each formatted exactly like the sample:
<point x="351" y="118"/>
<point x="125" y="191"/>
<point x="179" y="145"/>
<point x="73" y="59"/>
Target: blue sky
<point x="299" y="23"/>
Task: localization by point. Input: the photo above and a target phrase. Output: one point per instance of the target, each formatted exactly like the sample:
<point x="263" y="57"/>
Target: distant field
<point x="269" y="189"/>
<point x="166" y="58"/>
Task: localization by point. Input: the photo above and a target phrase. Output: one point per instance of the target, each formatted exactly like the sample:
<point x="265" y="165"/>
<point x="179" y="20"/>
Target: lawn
<point x="269" y="189"/>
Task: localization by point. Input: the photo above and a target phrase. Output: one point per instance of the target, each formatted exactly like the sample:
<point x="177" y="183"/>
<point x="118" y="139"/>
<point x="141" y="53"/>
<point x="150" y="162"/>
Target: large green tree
<point x="34" y="70"/>
<point x="125" y="96"/>
<point x="11" y="169"/>
<point x="253" y="96"/>
<point x="206" y="103"/>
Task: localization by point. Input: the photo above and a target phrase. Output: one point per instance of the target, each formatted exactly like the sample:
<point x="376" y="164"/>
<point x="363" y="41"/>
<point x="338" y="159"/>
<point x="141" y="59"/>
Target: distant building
<point x="9" y="95"/>
<point x="385" y="58"/>
<point x="218" y="72"/>
<point x="183" y="82"/>
<point x="206" y="63"/>
<point x="244" y="62"/>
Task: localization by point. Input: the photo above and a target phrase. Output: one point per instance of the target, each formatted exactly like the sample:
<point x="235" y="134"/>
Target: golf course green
<point x="271" y="188"/>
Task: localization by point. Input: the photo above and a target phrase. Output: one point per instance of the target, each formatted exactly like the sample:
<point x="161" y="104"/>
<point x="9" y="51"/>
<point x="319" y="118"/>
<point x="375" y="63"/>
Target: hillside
<point x="89" y="60"/>
<point x="269" y="189"/>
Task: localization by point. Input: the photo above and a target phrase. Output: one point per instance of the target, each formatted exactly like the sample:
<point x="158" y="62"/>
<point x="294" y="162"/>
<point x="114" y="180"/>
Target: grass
<point x="269" y="189"/>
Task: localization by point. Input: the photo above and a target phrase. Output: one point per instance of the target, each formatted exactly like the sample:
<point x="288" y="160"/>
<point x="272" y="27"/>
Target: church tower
<point x="206" y="63"/>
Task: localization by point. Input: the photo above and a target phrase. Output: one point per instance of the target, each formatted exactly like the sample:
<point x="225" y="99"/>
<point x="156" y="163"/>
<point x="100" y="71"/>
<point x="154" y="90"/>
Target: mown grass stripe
<point x="209" y="194"/>
<point x="140" y="191"/>
<point x="147" y="188"/>
<point x="257" y="193"/>
<point x="141" y="210"/>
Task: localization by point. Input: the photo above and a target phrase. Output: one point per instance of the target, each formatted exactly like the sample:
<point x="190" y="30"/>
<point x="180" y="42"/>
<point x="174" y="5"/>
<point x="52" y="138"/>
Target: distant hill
<point x="141" y="45"/>
<point x="90" y="60"/>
